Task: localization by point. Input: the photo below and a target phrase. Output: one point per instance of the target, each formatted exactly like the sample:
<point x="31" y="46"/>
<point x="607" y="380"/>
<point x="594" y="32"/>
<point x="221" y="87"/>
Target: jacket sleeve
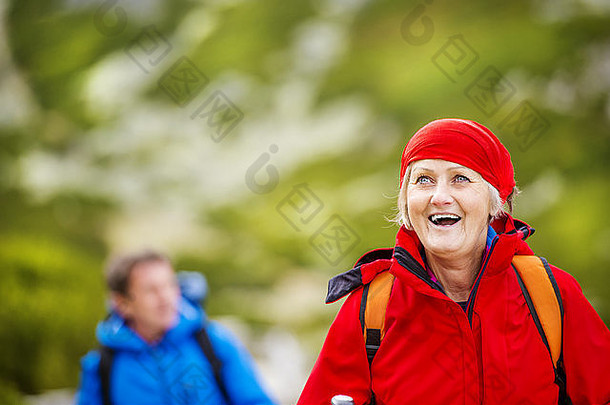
<point x="342" y="366"/>
<point x="586" y="346"/>
<point x="88" y="392"/>
<point x="238" y="368"/>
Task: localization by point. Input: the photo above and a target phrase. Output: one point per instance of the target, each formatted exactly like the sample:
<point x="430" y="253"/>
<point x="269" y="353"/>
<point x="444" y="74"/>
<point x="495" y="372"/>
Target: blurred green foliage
<point x="292" y="67"/>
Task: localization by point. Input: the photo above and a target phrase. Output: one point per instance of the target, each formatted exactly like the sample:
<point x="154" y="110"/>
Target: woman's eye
<point x="423" y="180"/>
<point x="462" y="179"/>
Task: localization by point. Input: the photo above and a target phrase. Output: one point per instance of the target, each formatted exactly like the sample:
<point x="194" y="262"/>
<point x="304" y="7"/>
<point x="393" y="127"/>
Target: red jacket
<point x="435" y="353"/>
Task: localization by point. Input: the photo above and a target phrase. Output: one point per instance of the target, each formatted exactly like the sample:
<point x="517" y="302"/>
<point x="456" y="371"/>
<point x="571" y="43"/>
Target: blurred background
<point x="258" y="142"/>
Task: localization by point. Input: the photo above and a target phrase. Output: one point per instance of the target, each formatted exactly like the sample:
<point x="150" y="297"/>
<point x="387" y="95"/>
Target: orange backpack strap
<point x="543" y="299"/>
<point x="375" y="297"/>
<point x="542" y="296"/>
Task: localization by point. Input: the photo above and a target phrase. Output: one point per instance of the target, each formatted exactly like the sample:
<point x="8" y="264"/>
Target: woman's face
<point x="448" y="206"/>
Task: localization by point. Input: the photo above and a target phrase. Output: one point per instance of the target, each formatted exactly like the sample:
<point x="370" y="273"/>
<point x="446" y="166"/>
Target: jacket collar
<point x="409" y="264"/>
<point x="406" y="260"/>
<point x="114" y="332"/>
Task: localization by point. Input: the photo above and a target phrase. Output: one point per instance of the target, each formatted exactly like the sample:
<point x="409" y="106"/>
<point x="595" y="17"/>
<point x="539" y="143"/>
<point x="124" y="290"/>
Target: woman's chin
<point x="444" y="247"/>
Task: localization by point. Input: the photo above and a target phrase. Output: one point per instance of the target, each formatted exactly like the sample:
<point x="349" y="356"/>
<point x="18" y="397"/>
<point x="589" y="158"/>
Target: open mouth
<point x="444" y="219"/>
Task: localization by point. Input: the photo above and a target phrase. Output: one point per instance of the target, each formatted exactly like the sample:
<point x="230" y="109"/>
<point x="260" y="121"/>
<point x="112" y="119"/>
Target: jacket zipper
<point x="413" y="263"/>
<point x="475" y="287"/>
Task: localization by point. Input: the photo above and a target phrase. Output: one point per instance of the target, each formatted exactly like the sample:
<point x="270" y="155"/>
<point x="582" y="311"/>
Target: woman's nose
<point x="441" y="195"/>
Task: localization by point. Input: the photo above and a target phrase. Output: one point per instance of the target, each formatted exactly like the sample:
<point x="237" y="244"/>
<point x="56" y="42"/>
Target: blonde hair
<point x="497" y="210"/>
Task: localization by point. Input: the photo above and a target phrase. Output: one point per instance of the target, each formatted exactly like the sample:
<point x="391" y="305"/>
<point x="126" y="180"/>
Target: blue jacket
<point x="174" y="371"/>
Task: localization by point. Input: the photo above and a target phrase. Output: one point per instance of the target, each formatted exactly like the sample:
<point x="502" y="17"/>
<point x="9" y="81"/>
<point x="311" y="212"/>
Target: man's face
<point x="151" y="303"/>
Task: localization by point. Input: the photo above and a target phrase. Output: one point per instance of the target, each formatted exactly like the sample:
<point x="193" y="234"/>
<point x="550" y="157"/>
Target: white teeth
<point x="438" y="217"/>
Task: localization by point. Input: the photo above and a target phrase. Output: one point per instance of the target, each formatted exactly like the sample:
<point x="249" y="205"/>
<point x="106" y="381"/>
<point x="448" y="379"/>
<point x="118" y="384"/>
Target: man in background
<point x="158" y="348"/>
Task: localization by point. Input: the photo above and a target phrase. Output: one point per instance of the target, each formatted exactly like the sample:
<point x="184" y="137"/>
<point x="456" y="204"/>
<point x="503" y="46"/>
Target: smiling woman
<point x="449" y="208"/>
<point x="449" y="315"/>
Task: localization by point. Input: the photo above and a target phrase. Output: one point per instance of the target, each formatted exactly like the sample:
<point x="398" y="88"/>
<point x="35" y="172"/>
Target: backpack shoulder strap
<point x="105" y="369"/>
<point x="543" y="293"/>
<point x="206" y="346"/>
<point x="375" y="297"/>
<point x="543" y="299"/>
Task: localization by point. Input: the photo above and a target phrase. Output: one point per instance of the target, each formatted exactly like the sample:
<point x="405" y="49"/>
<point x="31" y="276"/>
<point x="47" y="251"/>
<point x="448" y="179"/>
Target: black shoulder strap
<point x="105" y="368"/>
<point x="206" y="346"/>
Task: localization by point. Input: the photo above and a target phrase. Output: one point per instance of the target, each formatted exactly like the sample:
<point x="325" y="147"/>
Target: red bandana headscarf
<point x="466" y="143"/>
